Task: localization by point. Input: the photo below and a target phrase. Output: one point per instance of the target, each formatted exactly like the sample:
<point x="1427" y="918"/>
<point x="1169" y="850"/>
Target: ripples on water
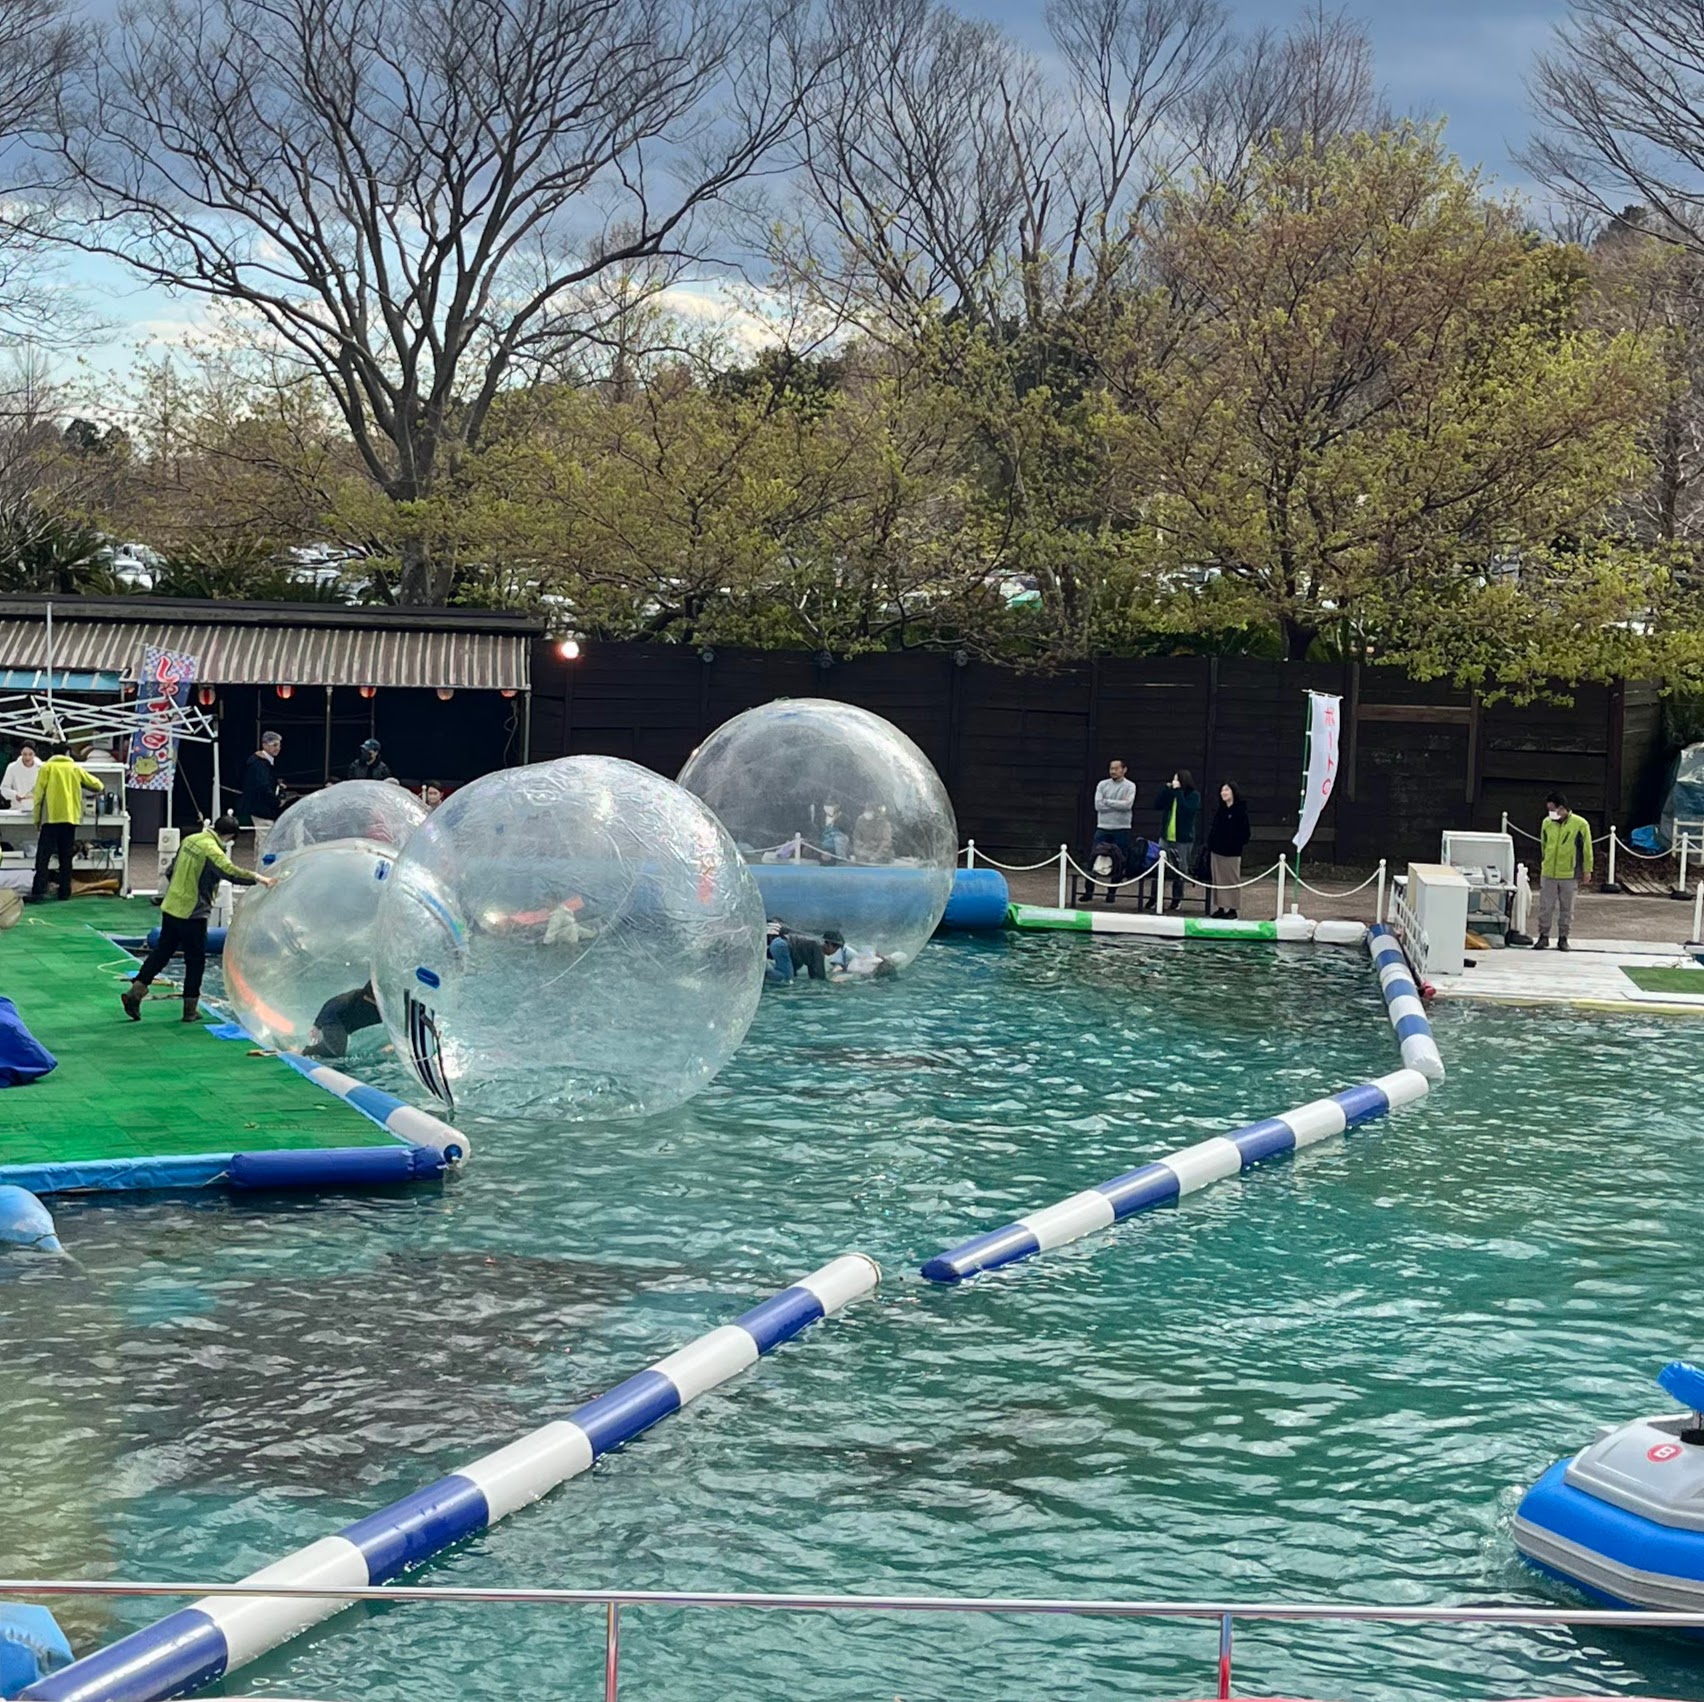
<point x="1329" y="1381"/>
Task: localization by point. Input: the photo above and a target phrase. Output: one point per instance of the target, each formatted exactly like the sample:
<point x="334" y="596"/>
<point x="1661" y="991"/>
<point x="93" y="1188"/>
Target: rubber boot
<point x="192" y="1010"/>
<point x="131" y="998"/>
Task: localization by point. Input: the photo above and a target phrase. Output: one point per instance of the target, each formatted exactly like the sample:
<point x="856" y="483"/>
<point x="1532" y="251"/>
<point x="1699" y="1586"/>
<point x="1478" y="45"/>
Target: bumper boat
<point x="1624" y="1519"/>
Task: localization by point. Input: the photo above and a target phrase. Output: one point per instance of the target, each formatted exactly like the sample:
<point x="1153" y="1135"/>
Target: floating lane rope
<point x="1168" y="1179"/>
<point x="1402" y="998"/>
<point x="219" y="1634"/>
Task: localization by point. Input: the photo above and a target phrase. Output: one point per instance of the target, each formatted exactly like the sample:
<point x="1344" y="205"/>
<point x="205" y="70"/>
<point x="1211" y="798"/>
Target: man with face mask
<point x="1565" y="849"/>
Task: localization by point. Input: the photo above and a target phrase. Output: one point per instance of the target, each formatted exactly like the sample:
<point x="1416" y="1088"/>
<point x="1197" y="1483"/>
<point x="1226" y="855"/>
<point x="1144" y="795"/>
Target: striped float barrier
<point x="1295" y="930"/>
<point x="1402" y="998"/>
<point x="1166" y="1180"/>
<point x="219" y="1634"/>
<point x="407" y="1122"/>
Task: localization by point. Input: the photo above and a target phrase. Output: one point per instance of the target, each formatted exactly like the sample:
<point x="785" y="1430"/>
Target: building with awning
<point x="447" y="692"/>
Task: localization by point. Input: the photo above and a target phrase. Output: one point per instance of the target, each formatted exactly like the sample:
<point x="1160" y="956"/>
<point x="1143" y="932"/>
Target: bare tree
<point x="1621" y="95"/>
<point x="925" y="161"/>
<point x="39" y="46"/>
<point x="1137" y="70"/>
<point x="416" y="198"/>
<point x="1307" y="86"/>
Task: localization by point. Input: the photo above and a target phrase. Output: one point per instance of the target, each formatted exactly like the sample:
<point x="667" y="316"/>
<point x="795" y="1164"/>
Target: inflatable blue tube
<point x="338" y="1167"/>
<point x="26" y="1222"/>
<point x="980" y="899"/>
<point x="215" y="940"/>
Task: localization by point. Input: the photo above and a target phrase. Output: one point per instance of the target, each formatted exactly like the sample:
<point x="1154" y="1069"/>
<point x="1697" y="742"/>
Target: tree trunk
<point x="1298" y="639"/>
<point x="424" y="581"/>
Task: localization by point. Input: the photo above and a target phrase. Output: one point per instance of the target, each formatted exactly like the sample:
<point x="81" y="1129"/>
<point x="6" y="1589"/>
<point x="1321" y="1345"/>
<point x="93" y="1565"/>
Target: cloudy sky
<point x="1466" y="60"/>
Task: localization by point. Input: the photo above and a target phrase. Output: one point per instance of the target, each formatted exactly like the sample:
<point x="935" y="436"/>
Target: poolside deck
<point x="155" y="1103"/>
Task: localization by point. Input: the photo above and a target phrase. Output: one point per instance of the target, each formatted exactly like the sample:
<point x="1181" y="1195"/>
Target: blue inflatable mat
<point x="23" y="1058"/>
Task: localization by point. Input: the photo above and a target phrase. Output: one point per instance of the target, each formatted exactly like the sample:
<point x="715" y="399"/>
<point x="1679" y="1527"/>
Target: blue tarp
<point x="23" y="1058"/>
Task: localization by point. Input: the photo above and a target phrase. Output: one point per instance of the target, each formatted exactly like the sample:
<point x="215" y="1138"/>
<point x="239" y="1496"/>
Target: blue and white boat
<point x="1623" y="1520"/>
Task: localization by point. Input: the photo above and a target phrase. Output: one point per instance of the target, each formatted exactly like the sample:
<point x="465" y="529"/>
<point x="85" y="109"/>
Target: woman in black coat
<point x="1226" y="839"/>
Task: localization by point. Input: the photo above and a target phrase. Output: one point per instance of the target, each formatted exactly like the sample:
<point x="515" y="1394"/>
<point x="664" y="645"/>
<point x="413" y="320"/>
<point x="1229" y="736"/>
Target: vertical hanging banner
<point x="1325" y="721"/>
<point x="161" y="691"/>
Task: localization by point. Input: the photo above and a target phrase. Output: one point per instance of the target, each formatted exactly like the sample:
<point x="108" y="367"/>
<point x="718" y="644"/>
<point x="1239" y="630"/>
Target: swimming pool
<point x="1329" y="1379"/>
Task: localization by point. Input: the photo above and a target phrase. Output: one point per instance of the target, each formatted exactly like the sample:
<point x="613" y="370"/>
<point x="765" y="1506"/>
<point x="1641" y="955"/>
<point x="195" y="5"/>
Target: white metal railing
<point x="1402" y="918"/>
<point x="1165" y="869"/>
<point x="1687" y="848"/>
<point x="1223" y="1615"/>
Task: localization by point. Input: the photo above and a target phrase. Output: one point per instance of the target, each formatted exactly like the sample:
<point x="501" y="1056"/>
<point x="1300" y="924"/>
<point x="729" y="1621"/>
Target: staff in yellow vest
<point x="59" y="788"/>
<point x="1565" y="849"/>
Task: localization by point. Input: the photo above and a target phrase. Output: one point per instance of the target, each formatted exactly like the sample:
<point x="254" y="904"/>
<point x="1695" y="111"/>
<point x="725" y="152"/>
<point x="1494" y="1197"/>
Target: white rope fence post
<point x="1698" y="914"/>
<point x="798" y="847"/>
<point x="1064" y="860"/>
<point x="1280" y="885"/>
<point x="1685" y="846"/>
<point x="1379" y="900"/>
<point x="1611" y="885"/>
<point x="1505" y="827"/>
<point x="970" y="853"/>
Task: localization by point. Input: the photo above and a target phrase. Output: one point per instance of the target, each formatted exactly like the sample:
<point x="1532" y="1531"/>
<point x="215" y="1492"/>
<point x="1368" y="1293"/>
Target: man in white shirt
<point x="1115" y="798"/>
<point x="17" y="787"/>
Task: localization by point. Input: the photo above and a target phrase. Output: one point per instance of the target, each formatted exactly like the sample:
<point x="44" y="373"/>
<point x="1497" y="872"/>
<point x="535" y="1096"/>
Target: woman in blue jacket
<point x="1178" y="807"/>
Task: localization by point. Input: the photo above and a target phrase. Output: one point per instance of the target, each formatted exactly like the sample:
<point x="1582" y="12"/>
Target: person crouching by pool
<point x="1178" y="805"/>
<point x="1565" y="850"/>
<point x="339" y="1018"/>
<point x="192" y="880"/>
<point x="790" y="952"/>
<point x="1226" y="841"/>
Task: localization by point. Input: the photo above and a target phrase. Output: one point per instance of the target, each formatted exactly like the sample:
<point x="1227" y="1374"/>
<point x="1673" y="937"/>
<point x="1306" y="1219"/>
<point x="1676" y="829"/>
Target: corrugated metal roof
<point x="280" y="653"/>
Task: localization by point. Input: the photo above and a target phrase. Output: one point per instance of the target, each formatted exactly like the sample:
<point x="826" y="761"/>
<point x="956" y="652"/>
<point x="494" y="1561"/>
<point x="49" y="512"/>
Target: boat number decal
<point x="1663" y="1451"/>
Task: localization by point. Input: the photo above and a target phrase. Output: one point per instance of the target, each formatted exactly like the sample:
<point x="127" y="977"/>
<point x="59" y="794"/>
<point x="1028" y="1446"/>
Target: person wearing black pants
<point x="201" y="863"/>
<point x="59" y="788"/>
<point x="58" y="839"/>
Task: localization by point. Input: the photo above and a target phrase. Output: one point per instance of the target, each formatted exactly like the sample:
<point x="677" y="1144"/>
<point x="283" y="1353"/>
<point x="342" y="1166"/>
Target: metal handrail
<point x="1222" y="1614"/>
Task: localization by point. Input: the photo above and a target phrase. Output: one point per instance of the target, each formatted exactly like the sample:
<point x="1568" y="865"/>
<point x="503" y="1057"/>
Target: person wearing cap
<point x="368" y="766"/>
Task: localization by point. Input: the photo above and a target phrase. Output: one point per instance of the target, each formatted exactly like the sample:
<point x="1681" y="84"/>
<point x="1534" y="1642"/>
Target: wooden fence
<point x="1020" y="753"/>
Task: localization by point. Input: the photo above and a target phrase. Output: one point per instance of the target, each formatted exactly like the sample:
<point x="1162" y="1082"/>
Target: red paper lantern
<point x="369" y="691"/>
<point x="206" y="694"/>
<point x="285" y="691"/>
<point x="445" y="693"/>
<point x="507" y="691"/>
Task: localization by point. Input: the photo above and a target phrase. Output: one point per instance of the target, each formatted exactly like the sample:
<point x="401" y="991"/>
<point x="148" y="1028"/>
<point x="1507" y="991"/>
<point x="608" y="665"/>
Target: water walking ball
<point x="569" y="940"/>
<point x="844" y="821"/>
<point x="294" y="946"/>
<point x="352" y="809"/>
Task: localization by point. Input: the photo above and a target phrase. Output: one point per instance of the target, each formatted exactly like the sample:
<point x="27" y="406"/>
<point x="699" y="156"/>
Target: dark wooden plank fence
<point x="1020" y="753"/>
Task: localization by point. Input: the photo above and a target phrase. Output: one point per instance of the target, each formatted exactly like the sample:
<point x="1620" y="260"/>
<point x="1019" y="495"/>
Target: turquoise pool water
<point x="1328" y="1380"/>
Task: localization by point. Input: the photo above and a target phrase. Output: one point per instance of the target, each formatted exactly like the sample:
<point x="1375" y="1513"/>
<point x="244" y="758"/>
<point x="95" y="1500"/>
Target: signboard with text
<point x="162" y="689"/>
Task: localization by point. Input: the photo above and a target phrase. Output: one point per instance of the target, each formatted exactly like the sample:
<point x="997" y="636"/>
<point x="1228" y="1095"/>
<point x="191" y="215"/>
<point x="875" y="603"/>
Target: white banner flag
<point x="1325" y="720"/>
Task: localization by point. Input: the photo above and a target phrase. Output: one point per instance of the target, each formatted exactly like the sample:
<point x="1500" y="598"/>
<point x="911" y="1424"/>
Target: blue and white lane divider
<point x="1402" y="998"/>
<point x="219" y="1634"/>
<point x="407" y="1122"/>
<point x="1168" y="1179"/>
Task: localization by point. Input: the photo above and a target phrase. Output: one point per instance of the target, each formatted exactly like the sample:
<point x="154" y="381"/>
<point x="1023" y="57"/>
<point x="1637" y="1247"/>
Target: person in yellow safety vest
<point x="59" y="788"/>
<point x="194" y="878"/>
<point x="1565" y="859"/>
